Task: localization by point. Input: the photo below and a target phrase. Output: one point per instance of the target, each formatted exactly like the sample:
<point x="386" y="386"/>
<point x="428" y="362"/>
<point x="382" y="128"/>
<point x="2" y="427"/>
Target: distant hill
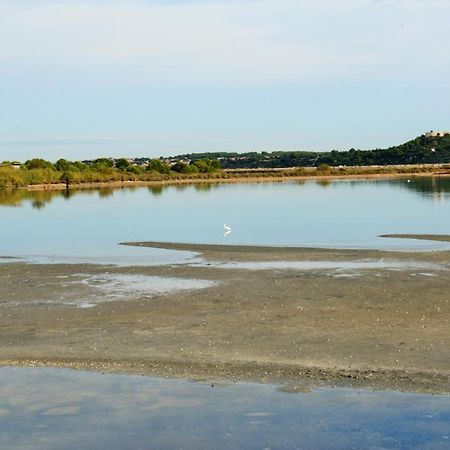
<point x="421" y="150"/>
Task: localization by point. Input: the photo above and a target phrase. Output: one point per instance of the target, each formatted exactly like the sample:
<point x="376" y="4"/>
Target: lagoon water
<point x="54" y="408"/>
<point x="88" y="225"/>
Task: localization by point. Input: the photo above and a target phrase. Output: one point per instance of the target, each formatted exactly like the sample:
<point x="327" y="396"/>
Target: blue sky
<point x="81" y="79"/>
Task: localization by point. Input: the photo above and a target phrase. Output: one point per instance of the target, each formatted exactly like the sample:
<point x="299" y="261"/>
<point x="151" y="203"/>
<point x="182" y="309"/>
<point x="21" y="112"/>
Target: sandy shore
<point x="384" y="326"/>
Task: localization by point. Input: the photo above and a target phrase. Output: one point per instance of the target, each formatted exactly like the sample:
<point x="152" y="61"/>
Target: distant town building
<point x="436" y="133"/>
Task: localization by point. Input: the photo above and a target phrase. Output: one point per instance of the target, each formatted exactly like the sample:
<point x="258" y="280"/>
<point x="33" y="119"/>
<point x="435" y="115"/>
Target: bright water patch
<point x="425" y="274"/>
<point x="117" y="285"/>
<point x="110" y="287"/>
<point x="325" y="265"/>
<point x="118" y="256"/>
<point x="53" y="409"/>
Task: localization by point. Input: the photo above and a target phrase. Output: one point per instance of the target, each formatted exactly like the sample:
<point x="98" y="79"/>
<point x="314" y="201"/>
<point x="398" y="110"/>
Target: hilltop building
<point x="436" y="133"/>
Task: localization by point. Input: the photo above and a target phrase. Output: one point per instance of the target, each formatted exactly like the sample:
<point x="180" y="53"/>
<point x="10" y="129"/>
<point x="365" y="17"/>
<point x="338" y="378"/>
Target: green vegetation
<point x="101" y="170"/>
<point x="202" y="165"/>
<point x="422" y="150"/>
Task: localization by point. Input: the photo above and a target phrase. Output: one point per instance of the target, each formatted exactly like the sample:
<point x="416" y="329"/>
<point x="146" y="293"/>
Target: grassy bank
<point x="103" y="170"/>
<point x="48" y="178"/>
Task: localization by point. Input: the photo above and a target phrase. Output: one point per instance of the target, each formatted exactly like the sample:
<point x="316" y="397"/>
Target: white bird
<point x="226" y="229"/>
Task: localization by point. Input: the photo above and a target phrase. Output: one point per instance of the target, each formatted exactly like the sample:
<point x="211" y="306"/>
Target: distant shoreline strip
<point x="424" y="237"/>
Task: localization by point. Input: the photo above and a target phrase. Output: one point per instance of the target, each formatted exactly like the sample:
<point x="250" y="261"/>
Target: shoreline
<point x="241" y="253"/>
<point x="423" y="237"/>
<point x="262" y="178"/>
<point x="378" y="328"/>
<point x="291" y="378"/>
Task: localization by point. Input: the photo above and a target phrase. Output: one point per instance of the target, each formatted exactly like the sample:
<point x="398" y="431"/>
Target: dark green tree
<point x="179" y="167"/>
<point x="62" y="165"/>
<point x="156" y="165"/>
<point x="105" y="163"/>
<point x="122" y="164"/>
<point x="38" y="163"/>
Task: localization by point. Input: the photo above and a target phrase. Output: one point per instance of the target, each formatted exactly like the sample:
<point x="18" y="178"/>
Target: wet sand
<point x="381" y="328"/>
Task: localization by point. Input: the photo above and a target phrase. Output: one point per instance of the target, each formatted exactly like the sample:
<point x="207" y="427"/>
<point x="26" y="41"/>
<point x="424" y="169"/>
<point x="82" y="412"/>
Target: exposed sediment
<point x="378" y="328"/>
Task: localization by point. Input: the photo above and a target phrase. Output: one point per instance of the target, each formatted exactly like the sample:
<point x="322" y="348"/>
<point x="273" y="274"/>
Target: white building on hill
<point x="436" y="133"/>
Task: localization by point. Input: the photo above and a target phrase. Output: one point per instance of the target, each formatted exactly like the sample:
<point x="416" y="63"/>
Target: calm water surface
<point x="54" y="409"/>
<point x="87" y="225"/>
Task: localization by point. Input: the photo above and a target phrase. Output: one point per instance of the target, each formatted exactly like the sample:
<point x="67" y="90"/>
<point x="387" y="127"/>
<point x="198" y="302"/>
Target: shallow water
<point x="86" y="290"/>
<point x="122" y="286"/>
<point x="86" y="226"/>
<point x="54" y="409"/>
<point x="326" y="265"/>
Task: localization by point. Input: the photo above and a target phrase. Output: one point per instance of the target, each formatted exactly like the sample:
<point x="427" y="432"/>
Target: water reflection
<point x="156" y="190"/>
<point x="341" y="213"/>
<point x="105" y="192"/>
<point x="436" y="188"/>
<point x="54" y="408"/>
<point x="39" y="199"/>
<point x="324" y="183"/>
<point x="204" y="187"/>
<point x="182" y="187"/>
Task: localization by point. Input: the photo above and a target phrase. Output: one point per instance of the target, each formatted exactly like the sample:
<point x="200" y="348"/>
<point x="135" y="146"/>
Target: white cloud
<point x="222" y="41"/>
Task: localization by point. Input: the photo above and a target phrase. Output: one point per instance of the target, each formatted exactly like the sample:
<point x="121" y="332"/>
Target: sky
<point x="81" y="79"/>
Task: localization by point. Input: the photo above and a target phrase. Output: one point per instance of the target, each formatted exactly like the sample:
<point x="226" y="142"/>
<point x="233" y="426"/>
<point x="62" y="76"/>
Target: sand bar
<point x="424" y="237"/>
<point x="376" y="328"/>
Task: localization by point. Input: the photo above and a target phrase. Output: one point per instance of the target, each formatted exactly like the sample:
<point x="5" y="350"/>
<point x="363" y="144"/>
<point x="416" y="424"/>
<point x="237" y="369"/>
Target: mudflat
<point x="300" y="317"/>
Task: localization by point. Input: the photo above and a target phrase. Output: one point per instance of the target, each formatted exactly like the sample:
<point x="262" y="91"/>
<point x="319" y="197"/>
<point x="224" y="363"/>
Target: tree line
<point x="422" y="150"/>
<point x="41" y="171"/>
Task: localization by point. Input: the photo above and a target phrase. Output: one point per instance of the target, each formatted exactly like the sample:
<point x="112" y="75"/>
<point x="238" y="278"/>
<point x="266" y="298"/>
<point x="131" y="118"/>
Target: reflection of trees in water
<point x="435" y="187"/>
<point x="128" y="188"/>
<point x="199" y="187"/>
<point x="156" y="190"/>
<point x="429" y="185"/>
<point x="105" y="192"/>
<point x="206" y="187"/>
<point x="181" y="187"/>
<point x="38" y="199"/>
<point x="67" y="194"/>
<point x="324" y="183"/>
<point x="37" y="204"/>
<point x="10" y="198"/>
